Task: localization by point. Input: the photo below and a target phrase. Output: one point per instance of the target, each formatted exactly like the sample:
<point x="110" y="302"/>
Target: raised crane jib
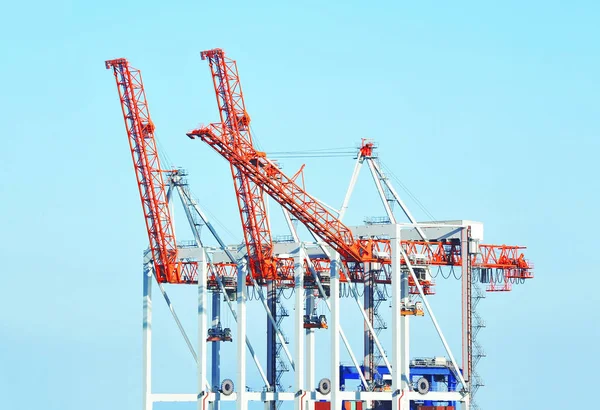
<point x="263" y="172"/>
<point x="140" y="132"/>
<point x="251" y="202"/>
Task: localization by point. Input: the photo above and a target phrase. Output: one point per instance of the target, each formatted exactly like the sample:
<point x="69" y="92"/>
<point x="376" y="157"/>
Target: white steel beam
<point x="377" y="180"/>
<point x="177" y="321"/>
<point x="336" y="402"/>
<point x="404" y="334"/>
<point x="380" y="176"/>
<point x="189" y="202"/>
<point x="399" y="376"/>
<point x="241" y="403"/>
<point x="310" y="352"/>
<point x="147" y="337"/>
<point x="180" y="326"/>
<point x="299" y="328"/>
<point x="202" y="330"/>
<point x="350" y="189"/>
<point x="215" y="351"/>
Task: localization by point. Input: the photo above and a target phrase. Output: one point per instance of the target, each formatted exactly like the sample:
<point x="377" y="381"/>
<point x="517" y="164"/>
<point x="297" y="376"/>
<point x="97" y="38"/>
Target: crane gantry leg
<point x="241" y="403"/>
<point x="202" y="330"/>
<point x="336" y="400"/>
<point x="271" y="308"/>
<point x="310" y="351"/>
<point x="400" y="374"/>
<point x="147" y="337"/>
<point x="299" y="328"/>
<point x="215" y="369"/>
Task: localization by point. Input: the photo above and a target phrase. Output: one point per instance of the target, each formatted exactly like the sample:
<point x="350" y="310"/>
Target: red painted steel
<point x="235" y="122"/>
<point x="265" y="173"/>
<point x="149" y="174"/>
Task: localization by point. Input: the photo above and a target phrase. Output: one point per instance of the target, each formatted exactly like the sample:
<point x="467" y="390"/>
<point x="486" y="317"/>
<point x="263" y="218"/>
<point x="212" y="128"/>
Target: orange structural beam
<point x="148" y="172"/>
<point x="266" y="174"/>
<point x="235" y="121"/>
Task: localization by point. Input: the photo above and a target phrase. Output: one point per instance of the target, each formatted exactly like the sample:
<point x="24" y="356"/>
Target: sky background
<point x="486" y="111"/>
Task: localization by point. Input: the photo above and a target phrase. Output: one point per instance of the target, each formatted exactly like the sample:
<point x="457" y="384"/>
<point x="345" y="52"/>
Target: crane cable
<point x="391" y="174"/>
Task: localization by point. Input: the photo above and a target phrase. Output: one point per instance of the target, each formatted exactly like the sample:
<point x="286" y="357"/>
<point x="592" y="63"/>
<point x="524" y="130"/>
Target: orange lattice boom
<point x="235" y="123"/>
<point x="263" y="172"/>
<point x="149" y="174"/>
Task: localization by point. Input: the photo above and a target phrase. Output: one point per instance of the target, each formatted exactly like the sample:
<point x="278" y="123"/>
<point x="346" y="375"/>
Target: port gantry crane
<point x="497" y="265"/>
<point x="395" y="257"/>
<point x="357" y="252"/>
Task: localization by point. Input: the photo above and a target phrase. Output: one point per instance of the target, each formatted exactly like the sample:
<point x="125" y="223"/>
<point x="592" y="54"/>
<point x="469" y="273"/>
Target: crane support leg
<point x="215" y="370"/>
<point x="369" y="287"/>
<point x="271" y="341"/>
<point x="310" y="351"/>
<point x="336" y="400"/>
<point x="400" y="375"/>
<point x="147" y="338"/>
<point x="299" y="329"/>
<point x="241" y="403"/>
<point x="202" y="330"/>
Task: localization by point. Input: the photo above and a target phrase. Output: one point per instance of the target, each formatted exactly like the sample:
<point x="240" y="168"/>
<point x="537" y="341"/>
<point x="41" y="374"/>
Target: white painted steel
<point x="373" y="164"/>
<point x="336" y="402"/>
<point x="299" y="328"/>
<point x="350" y="189"/>
<point x="396" y="317"/>
<point x="215" y="350"/>
<point x="174" y="397"/>
<point x="404" y="351"/>
<point x="241" y="336"/>
<point x="147" y="337"/>
<point x="202" y="330"/>
<point x="310" y="355"/>
<point x="377" y="181"/>
<point x="177" y="321"/>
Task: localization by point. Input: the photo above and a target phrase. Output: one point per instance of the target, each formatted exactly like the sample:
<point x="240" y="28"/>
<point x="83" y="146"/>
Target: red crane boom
<point x="235" y="123"/>
<point x="140" y="132"/>
<point x="264" y="173"/>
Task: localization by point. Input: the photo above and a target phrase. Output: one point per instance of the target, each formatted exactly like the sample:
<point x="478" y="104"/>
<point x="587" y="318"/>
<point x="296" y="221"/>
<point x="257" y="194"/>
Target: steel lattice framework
<point x="284" y="190"/>
<point x="149" y="174"/>
<point x="254" y="174"/>
<point x="235" y="123"/>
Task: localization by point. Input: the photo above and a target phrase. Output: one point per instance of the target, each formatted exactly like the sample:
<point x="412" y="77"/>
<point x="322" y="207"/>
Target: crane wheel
<point x="324" y="386"/>
<point x="423" y="385"/>
<point x="227" y="387"/>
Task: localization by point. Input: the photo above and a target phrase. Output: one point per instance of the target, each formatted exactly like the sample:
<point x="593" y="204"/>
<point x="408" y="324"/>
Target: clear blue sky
<point x="486" y="110"/>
